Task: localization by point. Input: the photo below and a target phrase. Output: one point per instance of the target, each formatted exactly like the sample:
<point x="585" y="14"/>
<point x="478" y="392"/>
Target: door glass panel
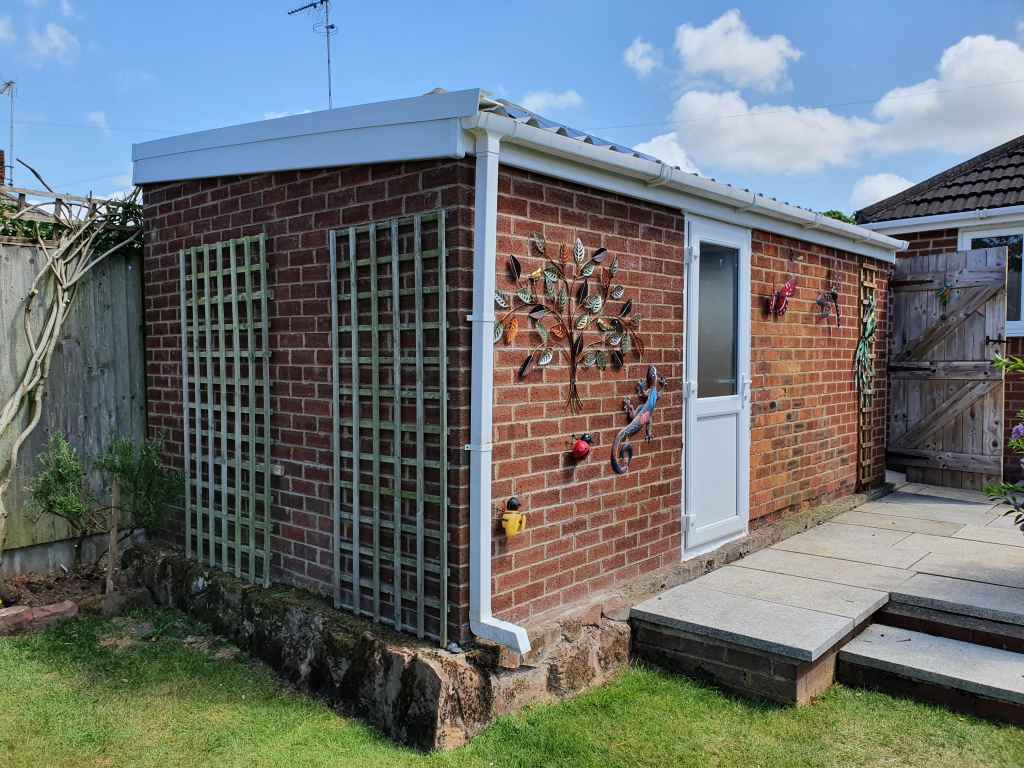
<point x="717" y="320"/>
<point x="1014" y="244"/>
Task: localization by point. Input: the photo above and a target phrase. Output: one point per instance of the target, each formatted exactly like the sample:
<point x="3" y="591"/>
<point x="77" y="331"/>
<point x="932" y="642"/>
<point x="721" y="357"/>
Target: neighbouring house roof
<point x="442" y="124"/>
<point x="993" y="179"/>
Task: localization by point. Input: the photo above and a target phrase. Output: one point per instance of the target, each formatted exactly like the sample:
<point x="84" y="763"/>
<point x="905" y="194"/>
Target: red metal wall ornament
<point x="778" y="303"/>
<point x="581" y="446"/>
<point x="568" y="302"/>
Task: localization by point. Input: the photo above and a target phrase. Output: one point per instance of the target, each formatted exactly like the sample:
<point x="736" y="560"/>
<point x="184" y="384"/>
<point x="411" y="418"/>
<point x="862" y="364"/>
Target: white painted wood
<point x="716" y="455"/>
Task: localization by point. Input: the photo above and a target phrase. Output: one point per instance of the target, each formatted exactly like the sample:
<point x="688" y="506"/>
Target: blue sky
<point x="819" y="103"/>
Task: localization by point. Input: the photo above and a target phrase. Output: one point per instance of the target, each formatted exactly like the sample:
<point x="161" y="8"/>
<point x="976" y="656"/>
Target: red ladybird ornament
<point x="581" y="446"/>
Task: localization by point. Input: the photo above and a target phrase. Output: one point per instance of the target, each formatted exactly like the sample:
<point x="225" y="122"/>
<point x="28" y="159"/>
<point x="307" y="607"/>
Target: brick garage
<point x="588" y="529"/>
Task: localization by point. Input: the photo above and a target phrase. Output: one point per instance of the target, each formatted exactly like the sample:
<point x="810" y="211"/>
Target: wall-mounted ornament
<point x="945" y="292"/>
<point x="864" y="361"/>
<point x="640" y="416"/>
<point x="778" y="302"/>
<point x="581" y="446"/>
<point x="828" y="305"/>
<point x="513" y="522"/>
<point x="568" y="302"/>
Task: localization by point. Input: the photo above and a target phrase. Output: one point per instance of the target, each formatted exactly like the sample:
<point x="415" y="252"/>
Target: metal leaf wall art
<point x="575" y="309"/>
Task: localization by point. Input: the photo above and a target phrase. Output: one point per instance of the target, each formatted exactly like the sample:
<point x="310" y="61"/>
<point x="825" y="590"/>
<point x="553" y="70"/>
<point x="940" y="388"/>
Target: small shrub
<point x="59" y="488"/>
<point x="1011" y="494"/>
<point x="147" y="487"/>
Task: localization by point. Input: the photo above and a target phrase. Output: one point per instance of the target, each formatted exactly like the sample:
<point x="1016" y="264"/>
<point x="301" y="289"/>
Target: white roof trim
<point x="404" y="129"/>
<point x="976" y="217"/>
<point x="564" y="157"/>
<point x="436" y="125"/>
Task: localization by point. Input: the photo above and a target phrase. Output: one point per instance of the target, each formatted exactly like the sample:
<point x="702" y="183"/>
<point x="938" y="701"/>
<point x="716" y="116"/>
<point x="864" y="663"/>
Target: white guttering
<point x="481" y="620"/>
<point x="988" y="216"/>
<point x="543" y="151"/>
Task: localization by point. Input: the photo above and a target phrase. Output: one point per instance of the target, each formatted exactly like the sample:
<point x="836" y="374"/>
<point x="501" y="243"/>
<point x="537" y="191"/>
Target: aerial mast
<point x="7" y="89"/>
<point x="327" y="29"/>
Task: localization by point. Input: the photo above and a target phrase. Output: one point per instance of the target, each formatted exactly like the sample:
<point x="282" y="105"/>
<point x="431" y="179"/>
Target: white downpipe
<point x="481" y="620"/>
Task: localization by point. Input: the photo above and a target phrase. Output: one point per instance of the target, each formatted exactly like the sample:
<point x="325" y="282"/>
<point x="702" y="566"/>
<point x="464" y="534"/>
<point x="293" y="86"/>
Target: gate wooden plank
<point x="946" y="460"/>
<point x="931" y="371"/>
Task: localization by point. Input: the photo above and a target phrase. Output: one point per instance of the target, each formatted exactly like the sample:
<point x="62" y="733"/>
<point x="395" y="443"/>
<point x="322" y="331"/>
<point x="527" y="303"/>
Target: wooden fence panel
<point x="946" y="399"/>
<point x="96" y="391"/>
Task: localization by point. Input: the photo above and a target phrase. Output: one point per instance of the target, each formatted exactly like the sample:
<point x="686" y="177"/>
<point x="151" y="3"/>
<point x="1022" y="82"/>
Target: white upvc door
<point x="716" y="454"/>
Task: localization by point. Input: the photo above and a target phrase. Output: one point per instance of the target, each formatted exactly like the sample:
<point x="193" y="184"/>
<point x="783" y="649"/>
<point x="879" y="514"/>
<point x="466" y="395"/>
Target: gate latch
<point x="997" y="340"/>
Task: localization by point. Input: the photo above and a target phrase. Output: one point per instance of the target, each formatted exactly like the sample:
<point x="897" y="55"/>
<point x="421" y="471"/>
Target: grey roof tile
<point x="993" y="179"/>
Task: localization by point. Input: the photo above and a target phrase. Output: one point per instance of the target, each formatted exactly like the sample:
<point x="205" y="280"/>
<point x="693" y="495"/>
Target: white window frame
<point x="1013" y="327"/>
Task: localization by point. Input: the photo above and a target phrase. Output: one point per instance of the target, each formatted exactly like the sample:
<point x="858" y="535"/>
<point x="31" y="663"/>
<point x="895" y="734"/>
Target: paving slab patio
<point x="814" y="587"/>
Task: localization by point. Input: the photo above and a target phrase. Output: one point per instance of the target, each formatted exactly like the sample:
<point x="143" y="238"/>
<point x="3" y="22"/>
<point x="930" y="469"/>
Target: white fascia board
<point x="404" y="129"/>
<point x="545" y="152"/>
<point x="981" y="217"/>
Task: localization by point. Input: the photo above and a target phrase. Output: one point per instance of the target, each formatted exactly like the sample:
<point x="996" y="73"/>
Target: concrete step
<point x="960" y="596"/>
<point x="767" y="634"/>
<point x="984" y="614"/>
<point x="970" y="678"/>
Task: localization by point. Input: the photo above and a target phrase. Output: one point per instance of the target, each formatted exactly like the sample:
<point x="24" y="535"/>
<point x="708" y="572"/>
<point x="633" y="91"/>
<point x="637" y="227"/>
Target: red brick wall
<point x="926" y="243"/>
<point x="297" y="210"/>
<point x="804" y="433"/>
<point x="588" y="528"/>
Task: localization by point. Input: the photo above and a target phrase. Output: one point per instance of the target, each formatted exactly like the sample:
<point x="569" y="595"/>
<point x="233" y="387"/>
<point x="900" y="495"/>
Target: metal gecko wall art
<point x="568" y="303"/>
<point x="640" y="416"/>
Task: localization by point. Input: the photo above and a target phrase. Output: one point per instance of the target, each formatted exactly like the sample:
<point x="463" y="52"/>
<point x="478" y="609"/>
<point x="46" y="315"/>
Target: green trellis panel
<point x="225" y="360"/>
<point x="390" y="424"/>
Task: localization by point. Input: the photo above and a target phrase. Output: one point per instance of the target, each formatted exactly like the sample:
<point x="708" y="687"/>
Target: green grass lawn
<point x="153" y="691"/>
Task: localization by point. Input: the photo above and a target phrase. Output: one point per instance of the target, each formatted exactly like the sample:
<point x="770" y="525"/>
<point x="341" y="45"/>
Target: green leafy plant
<point x="59" y="489"/>
<point x="147" y="487"/>
<point x="839" y="216"/>
<point x="1011" y="494"/>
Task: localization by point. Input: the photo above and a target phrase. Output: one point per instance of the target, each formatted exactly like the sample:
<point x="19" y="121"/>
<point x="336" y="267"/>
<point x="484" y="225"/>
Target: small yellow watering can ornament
<point x="512" y="520"/>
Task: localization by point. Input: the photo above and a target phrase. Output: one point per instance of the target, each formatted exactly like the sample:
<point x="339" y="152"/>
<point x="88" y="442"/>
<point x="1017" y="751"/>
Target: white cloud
<point x="975" y="102"/>
<point x="97" y="119"/>
<point x="7" y="30"/>
<point x="123" y="181"/>
<point x="539" y="101"/>
<point x="878" y="186"/>
<point x="641" y="57"/>
<point x="67" y="9"/>
<point x="666" y="148"/>
<point x="54" y="42"/>
<point x="725" y="48"/>
<point x="722" y="130"/>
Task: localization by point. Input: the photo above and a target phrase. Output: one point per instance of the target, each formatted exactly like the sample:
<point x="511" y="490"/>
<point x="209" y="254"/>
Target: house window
<point x="1013" y="240"/>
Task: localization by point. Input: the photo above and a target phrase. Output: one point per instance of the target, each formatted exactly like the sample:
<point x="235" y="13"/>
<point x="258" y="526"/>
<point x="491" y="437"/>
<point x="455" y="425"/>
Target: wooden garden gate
<point x="390" y="437"/>
<point x="946" y="398"/>
<point x="225" y="361"/>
